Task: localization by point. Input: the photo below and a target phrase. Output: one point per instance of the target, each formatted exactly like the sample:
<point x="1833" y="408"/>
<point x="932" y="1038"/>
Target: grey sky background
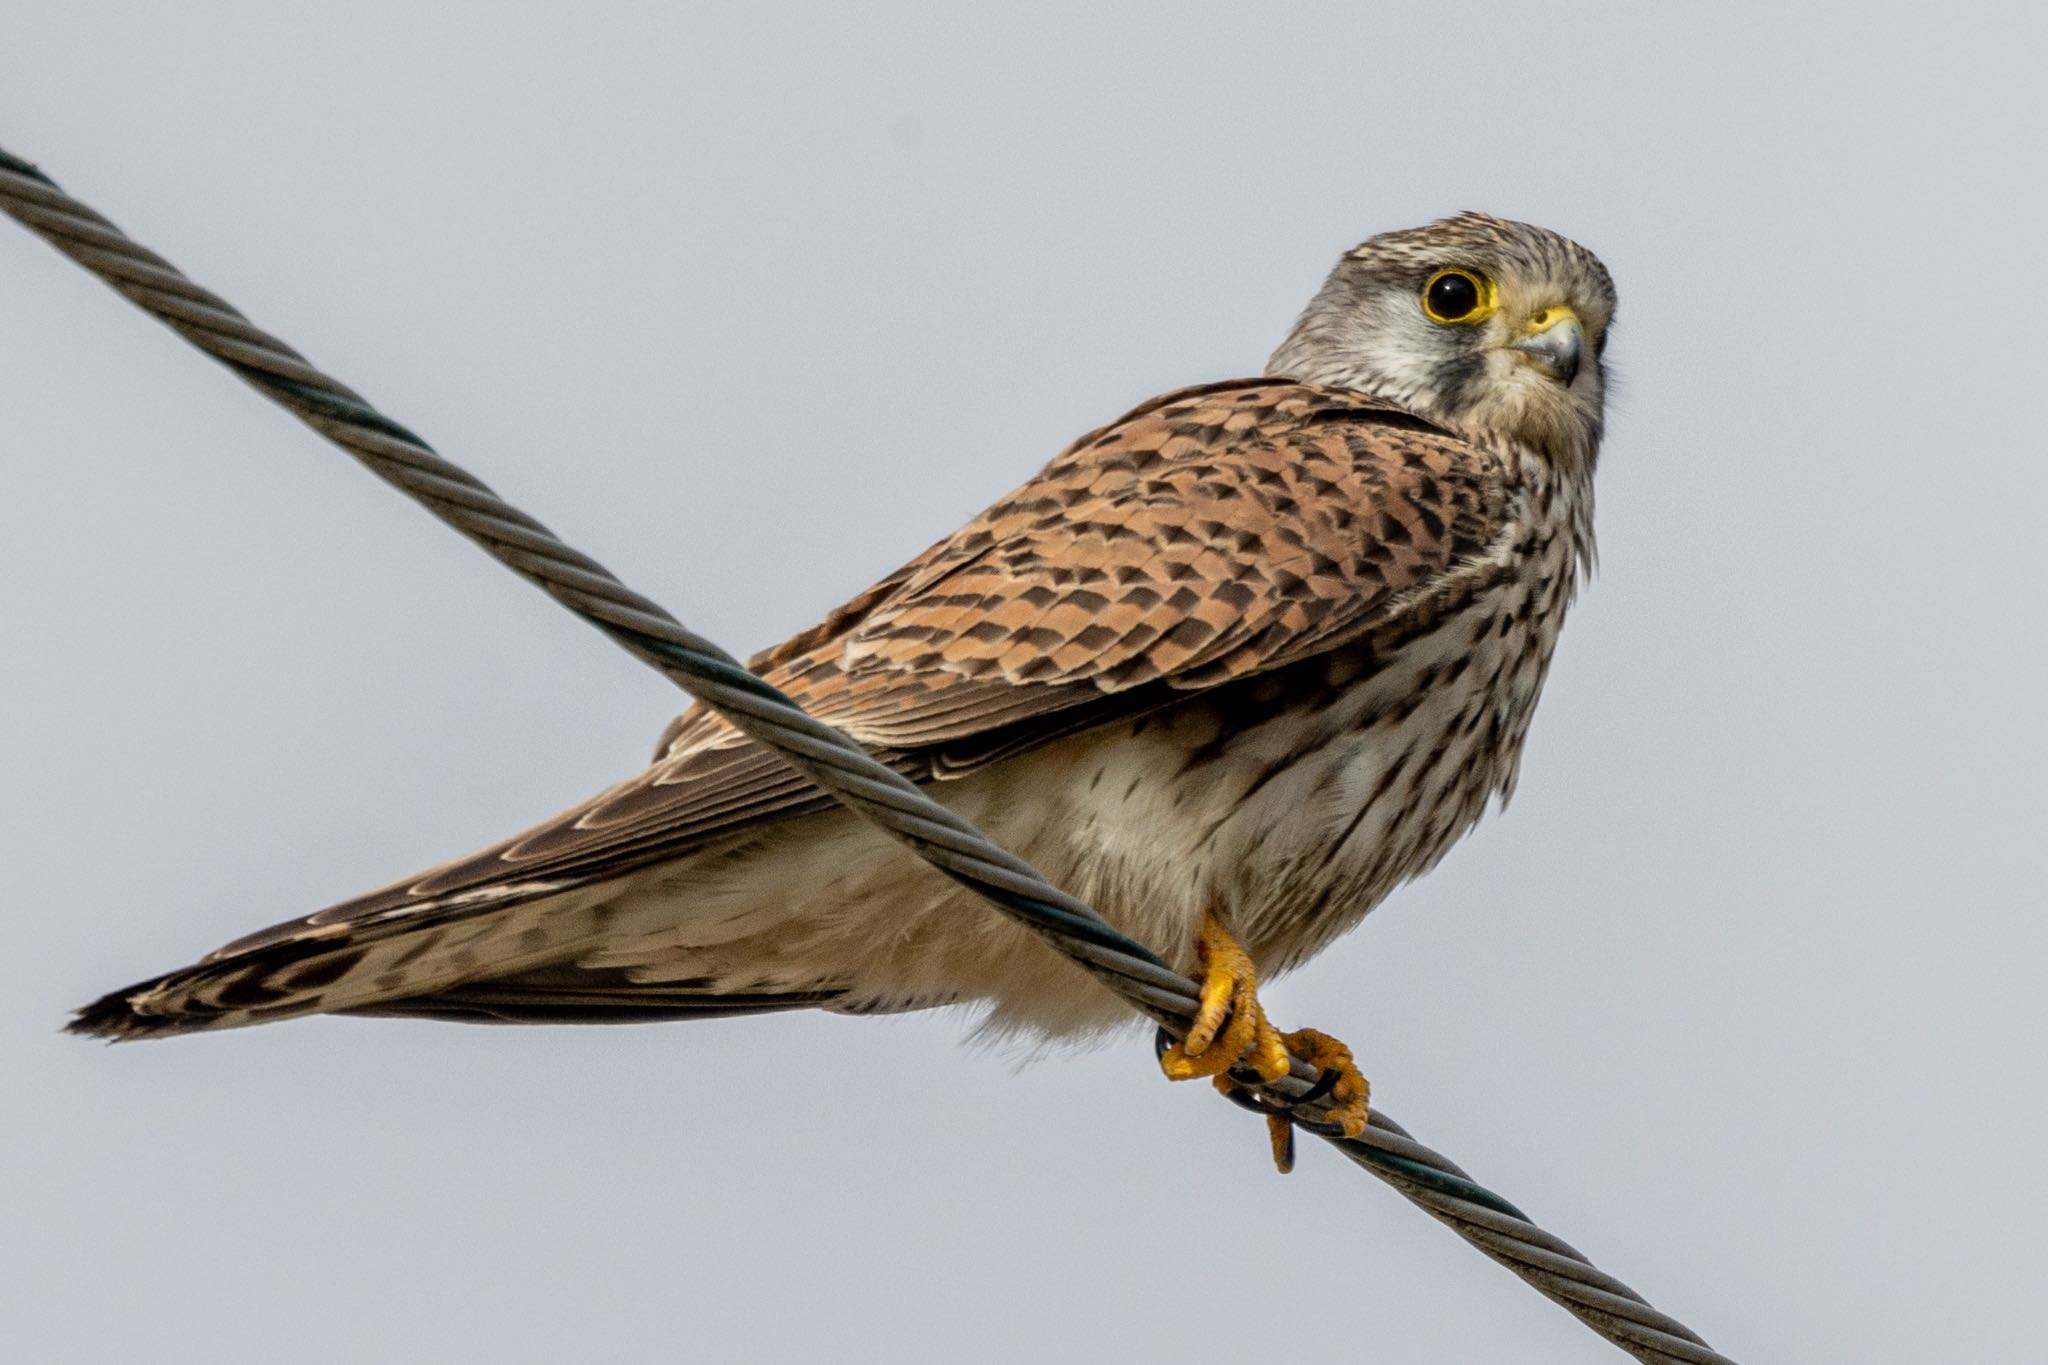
<point x="1743" y="996"/>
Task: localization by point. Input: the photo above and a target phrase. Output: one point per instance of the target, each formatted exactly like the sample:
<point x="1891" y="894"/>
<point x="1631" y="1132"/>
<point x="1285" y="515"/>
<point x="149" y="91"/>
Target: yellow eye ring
<point x="1460" y="298"/>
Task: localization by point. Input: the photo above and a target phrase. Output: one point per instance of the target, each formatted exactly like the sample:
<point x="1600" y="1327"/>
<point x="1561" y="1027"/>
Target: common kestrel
<point x="1230" y="668"/>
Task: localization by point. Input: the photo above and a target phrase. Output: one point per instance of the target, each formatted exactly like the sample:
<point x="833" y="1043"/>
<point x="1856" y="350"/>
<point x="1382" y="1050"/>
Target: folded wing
<point x="1209" y="535"/>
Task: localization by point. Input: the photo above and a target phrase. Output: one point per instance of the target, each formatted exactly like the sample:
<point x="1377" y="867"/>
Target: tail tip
<point x="115" y="1019"/>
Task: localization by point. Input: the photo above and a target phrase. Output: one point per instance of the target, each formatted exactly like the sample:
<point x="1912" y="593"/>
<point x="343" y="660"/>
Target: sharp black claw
<point x="1325" y="1083"/>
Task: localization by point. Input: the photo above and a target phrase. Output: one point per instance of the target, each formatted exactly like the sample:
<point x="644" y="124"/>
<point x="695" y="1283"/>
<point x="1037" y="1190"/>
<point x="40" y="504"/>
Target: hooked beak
<point x="1553" y="341"/>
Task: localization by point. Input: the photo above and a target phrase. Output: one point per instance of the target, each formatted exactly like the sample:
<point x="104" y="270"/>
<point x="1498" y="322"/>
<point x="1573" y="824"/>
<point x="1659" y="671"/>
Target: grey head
<point x="1495" y="328"/>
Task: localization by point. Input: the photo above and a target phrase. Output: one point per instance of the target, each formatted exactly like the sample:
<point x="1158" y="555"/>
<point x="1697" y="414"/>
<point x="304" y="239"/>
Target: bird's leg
<point x="1231" y="1028"/>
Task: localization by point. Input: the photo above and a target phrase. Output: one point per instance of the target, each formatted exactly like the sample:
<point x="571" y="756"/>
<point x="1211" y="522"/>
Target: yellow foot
<point x="1347" y="1096"/>
<point x="1231" y="1026"/>
<point x="1231" y="1030"/>
<point x="1343" y="1091"/>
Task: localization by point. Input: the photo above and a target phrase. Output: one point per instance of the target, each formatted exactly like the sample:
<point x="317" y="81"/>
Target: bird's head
<point x="1493" y="327"/>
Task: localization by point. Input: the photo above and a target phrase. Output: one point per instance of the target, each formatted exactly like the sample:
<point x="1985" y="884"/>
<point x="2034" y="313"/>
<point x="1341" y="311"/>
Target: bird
<point x="1231" y="668"/>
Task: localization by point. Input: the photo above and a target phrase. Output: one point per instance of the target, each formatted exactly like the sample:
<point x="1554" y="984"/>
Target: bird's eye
<point x="1459" y="296"/>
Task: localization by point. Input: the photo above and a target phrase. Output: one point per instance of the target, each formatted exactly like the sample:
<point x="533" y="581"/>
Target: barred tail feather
<point x="333" y="962"/>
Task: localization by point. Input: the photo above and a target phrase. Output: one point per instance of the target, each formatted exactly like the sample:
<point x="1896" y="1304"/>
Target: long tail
<point x="333" y="962"/>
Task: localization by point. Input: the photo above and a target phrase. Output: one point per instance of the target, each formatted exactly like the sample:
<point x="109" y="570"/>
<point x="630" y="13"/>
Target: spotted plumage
<point x="1260" y="649"/>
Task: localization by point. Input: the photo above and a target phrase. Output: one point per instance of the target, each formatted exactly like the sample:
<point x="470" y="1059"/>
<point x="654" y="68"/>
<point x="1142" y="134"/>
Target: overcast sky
<point x="1743" y="996"/>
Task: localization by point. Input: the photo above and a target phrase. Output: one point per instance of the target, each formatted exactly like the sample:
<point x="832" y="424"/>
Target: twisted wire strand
<point x="827" y="757"/>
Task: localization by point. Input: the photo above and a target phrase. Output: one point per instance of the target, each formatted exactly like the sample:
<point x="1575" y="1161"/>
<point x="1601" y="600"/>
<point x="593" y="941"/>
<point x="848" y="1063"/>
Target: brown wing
<point x="1208" y="535"/>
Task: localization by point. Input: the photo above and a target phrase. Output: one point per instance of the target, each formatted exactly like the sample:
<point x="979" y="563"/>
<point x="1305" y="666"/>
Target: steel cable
<point x="821" y="753"/>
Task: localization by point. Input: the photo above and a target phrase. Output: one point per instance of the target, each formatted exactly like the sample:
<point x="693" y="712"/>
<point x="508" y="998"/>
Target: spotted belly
<point x="1294" y="803"/>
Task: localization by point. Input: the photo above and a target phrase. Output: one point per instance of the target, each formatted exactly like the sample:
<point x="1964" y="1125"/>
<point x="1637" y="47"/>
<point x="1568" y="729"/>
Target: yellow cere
<point x="1547" y="319"/>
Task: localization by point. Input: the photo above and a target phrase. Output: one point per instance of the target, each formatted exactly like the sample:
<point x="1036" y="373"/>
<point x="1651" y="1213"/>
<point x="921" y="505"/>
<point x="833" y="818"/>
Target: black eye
<point x="1456" y="296"/>
<point x="1453" y="296"/>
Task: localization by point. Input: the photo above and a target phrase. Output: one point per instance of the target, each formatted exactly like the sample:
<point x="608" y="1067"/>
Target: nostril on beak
<point x="1555" y="343"/>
